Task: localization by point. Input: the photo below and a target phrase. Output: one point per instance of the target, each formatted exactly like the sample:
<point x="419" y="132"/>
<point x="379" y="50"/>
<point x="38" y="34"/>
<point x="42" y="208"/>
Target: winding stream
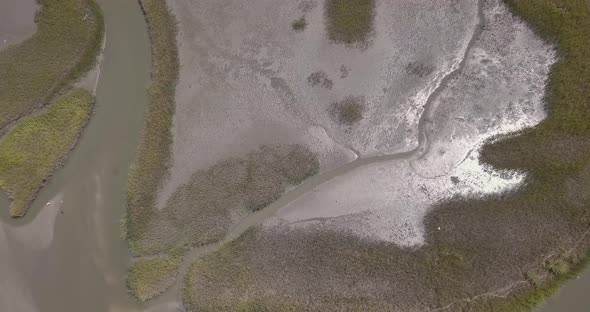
<point x="572" y="297"/>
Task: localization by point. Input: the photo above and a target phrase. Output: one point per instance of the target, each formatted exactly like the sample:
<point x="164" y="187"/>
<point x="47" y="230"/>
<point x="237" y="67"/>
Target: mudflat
<point x="249" y="79"/>
<point x="404" y="121"/>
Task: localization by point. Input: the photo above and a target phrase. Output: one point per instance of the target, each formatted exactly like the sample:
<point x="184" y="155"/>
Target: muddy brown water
<point x="574" y="296"/>
<point x="16" y="21"/>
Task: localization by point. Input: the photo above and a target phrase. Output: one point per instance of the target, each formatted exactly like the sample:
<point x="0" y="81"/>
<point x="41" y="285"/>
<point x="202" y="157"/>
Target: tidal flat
<point x="417" y="187"/>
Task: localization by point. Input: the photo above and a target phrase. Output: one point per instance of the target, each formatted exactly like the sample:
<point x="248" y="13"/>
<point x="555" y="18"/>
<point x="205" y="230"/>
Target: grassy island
<point x="31" y="151"/>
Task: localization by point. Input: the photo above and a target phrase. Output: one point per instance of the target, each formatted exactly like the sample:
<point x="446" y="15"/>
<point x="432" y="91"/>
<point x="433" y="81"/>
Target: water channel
<point x="574" y="296"/>
<point x="67" y="254"/>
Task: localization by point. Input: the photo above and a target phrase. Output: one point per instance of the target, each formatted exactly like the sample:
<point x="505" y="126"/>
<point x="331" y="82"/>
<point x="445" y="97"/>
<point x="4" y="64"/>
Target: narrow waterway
<point x="574" y="296"/>
<point x="16" y="21"/>
<point x="67" y="254"/>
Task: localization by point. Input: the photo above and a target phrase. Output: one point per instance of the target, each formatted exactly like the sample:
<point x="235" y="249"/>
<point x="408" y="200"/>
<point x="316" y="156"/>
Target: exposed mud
<point x="244" y="79"/>
<point x="498" y="89"/>
<point x="495" y="89"/>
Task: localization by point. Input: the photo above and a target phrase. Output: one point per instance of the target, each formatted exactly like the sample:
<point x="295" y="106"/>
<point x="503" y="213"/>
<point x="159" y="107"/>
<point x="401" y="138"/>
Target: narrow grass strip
<point x="153" y="156"/>
<point x="68" y="38"/>
<point x="31" y="151"/>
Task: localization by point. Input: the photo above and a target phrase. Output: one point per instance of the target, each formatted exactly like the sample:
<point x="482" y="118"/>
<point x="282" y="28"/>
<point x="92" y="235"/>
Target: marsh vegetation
<point x="32" y="73"/>
<point x="320" y="78"/>
<point x="153" y="154"/>
<point x="31" y="151"/>
<point x="149" y="277"/>
<point x="69" y="35"/>
<point x="349" y="111"/>
<point x="349" y="21"/>
<point x="299" y="24"/>
<point x="203" y="210"/>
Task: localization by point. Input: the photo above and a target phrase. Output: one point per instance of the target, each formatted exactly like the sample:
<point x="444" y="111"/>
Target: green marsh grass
<point x="153" y="155"/>
<point x="31" y="151"/>
<point x="69" y="35"/>
<point x="147" y="172"/>
<point x="349" y="21"/>
<point x="150" y="277"/>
